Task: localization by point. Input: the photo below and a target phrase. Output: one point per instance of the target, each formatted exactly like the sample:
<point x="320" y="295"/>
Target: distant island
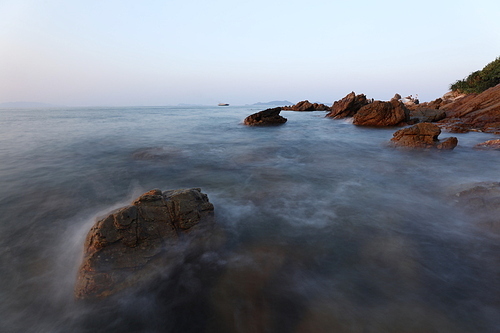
<point x="274" y="103"/>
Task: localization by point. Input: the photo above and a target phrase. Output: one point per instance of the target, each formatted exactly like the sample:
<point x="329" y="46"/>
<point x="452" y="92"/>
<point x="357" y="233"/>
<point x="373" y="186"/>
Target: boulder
<point x="129" y="244"/>
<point x="307" y="106"/>
<point x="347" y="106"/>
<point x="381" y="114"/>
<point x="490" y="144"/>
<point x="267" y="117"/>
<point x="427" y="115"/>
<point x="422" y="136"/>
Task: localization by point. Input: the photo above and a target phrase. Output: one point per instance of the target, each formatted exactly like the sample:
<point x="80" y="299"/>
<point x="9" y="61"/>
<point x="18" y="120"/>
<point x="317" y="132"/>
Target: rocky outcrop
<point x="481" y="201"/>
<point x="427" y="115"/>
<point x="490" y="144"/>
<point x="307" y="106"/>
<point x="381" y="114"/>
<point x="348" y="106"/>
<point x="479" y="112"/>
<point x="267" y="117"/>
<point x="422" y="136"/>
<point x="129" y="244"/>
<point x="446" y="99"/>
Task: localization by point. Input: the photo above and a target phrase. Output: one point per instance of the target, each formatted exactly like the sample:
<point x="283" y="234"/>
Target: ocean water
<point x="328" y="229"/>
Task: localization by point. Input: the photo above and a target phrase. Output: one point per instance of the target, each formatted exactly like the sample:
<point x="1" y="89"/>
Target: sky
<point x="166" y="52"/>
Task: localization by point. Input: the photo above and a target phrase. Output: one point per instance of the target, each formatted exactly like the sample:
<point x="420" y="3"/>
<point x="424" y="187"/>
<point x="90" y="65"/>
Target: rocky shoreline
<point x="454" y="113"/>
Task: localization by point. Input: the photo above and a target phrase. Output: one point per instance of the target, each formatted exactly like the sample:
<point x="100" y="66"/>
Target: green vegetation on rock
<point x="479" y="81"/>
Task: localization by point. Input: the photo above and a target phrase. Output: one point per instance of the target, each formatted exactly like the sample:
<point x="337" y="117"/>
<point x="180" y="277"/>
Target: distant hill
<point x="274" y="103"/>
<point x="26" y="105"/>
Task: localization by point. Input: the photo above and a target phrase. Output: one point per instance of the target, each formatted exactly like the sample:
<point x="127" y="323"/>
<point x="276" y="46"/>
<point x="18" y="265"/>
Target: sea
<point x="327" y="227"/>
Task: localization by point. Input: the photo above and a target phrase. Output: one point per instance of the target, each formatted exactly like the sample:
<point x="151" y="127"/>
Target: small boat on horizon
<point x="223" y="104"/>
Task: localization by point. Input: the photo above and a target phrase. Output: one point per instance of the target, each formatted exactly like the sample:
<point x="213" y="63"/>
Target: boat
<point x="223" y="104"/>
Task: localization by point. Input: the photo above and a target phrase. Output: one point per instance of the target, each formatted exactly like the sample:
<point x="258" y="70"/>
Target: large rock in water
<point x="265" y="118"/>
<point x="347" y="106"/>
<point x="422" y="136"/>
<point x="129" y="244"/>
<point x="382" y="114"/>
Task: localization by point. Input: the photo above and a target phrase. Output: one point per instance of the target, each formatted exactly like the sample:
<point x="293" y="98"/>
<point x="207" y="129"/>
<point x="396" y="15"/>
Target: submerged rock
<point x="481" y="201"/>
<point x="348" y="106"/>
<point x="422" y="136"/>
<point x="129" y="244"/>
<point x="156" y="153"/>
<point x="382" y="114"/>
<point x="265" y="118"/>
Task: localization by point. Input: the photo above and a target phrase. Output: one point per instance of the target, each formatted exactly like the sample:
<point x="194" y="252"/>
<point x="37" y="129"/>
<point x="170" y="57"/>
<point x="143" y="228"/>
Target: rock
<point x="451" y="96"/>
<point x="397" y="97"/>
<point x="481" y="201"/>
<point x="435" y="104"/>
<point x="380" y="114"/>
<point x="265" y="118"/>
<point x="480" y="112"/>
<point x="422" y="136"/>
<point x="307" y="106"/>
<point x="427" y="115"/>
<point x="347" y="106"/>
<point x="128" y="245"/>
<point x="490" y="144"/>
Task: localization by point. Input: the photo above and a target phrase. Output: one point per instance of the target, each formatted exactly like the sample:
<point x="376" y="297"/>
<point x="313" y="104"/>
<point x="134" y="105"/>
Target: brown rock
<point x="380" y="114"/>
<point x="490" y="144"/>
<point x="128" y="244"/>
<point x="478" y="111"/>
<point x="348" y="106"/>
<point x="422" y="136"/>
<point x="307" y="106"/>
<point x="267" y="117"/>
<point x="396" y="97"/>
<point x="435" y="104"/>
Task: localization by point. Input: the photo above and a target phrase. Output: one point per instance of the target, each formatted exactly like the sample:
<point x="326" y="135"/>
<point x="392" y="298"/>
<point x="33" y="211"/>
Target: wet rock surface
<point x="269" y="117"/>
<point x="126" y="246"/>
<point x="422" y="136"/>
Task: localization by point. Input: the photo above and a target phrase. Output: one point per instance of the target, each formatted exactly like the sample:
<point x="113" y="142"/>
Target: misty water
<point x="327" y="228"/>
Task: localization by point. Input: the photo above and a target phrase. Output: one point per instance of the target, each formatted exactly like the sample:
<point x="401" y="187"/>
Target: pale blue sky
<point x="119" y="52"/>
